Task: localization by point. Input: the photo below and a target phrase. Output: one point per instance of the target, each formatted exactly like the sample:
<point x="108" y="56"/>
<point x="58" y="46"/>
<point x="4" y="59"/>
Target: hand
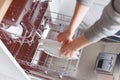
<point x="65" y="37"/>
<point x="69" y="49"/>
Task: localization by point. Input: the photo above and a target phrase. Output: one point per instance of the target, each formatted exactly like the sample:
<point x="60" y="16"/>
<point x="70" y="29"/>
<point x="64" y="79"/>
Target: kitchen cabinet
<point x="4" y="4"/>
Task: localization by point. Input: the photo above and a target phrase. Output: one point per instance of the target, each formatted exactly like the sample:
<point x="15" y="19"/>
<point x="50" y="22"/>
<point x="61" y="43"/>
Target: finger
<point x="62" y="52"/>
<point x="67" y="54"/>
<point x="59" y="40"/>
<point x="64" y="43"/>
<point x="59" y="36"/>
<point x="70" y="55"/>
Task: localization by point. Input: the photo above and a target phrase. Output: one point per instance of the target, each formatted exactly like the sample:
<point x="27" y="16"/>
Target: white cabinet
<point x="9" y="68"/>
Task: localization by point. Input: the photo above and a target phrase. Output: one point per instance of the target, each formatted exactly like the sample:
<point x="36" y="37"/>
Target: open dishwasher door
<point x="9" y="68"/>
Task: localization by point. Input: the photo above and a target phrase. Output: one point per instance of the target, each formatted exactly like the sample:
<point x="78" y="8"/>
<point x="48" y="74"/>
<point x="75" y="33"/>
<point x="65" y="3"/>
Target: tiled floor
<point x="87" y="63"/>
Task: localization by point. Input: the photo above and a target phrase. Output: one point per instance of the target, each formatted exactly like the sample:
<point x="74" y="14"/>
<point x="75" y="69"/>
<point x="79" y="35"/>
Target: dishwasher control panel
<point x="105" y="62"/>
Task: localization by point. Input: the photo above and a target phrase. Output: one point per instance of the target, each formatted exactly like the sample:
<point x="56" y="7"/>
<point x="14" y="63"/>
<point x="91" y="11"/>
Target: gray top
<point x="107" y="25"/>
<point x="86" y="2"/>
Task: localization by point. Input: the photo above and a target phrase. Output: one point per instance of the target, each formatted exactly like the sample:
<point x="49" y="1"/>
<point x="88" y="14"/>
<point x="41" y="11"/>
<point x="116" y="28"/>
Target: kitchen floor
<point x="86" y="70"/>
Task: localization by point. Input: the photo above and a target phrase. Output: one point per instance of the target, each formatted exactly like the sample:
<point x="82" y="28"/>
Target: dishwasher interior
<point x="22" y="30"/>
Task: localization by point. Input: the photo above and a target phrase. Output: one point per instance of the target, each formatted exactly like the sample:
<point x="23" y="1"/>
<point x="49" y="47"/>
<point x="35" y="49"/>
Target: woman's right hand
<point x="65" y="37"/>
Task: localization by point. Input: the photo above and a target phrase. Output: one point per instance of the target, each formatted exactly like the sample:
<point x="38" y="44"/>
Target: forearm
<point x="107" y="25"/>
<point x="80" y="42"/>
<point x="79" y="13"/>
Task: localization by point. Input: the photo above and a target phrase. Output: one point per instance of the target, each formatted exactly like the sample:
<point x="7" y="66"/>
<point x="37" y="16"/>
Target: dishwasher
<point x="38" y="63"/>
<point x="37" y="26"/>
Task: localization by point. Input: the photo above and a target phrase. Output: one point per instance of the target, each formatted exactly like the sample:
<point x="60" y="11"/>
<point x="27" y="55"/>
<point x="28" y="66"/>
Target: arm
<point x="82" y="7"/>
<point x="107" y="25"/>
<point x="79" y="13"/>
<point x="74" y="46"/>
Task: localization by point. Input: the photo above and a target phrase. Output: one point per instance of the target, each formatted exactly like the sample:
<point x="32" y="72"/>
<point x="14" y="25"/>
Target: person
<point x="107" y="25"/>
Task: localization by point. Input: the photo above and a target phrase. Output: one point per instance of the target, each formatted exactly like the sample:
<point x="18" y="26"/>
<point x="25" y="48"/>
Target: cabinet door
<point x="4" y="4"/>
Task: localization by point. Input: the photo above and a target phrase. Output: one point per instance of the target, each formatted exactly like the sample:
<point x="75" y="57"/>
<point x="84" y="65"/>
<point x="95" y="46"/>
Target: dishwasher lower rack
<point x="44" y="64"/>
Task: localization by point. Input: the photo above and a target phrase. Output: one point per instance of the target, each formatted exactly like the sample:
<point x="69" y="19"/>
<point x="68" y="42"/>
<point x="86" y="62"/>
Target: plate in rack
<point x="52" y="48"/>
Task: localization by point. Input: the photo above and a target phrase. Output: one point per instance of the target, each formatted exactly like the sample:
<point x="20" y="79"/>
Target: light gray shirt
<point x="107" y="25"/>
<point x="86" y="2"/>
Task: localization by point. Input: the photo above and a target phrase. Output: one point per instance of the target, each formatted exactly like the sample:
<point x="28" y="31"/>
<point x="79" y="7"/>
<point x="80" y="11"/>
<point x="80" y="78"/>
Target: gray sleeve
<point x="86" y="2"/>
<point x="107" y="25"/>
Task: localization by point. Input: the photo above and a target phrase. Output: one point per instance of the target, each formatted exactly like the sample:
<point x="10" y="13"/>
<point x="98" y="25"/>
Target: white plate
<point x="14" y="31"/>
<point x="52" y="48"/>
